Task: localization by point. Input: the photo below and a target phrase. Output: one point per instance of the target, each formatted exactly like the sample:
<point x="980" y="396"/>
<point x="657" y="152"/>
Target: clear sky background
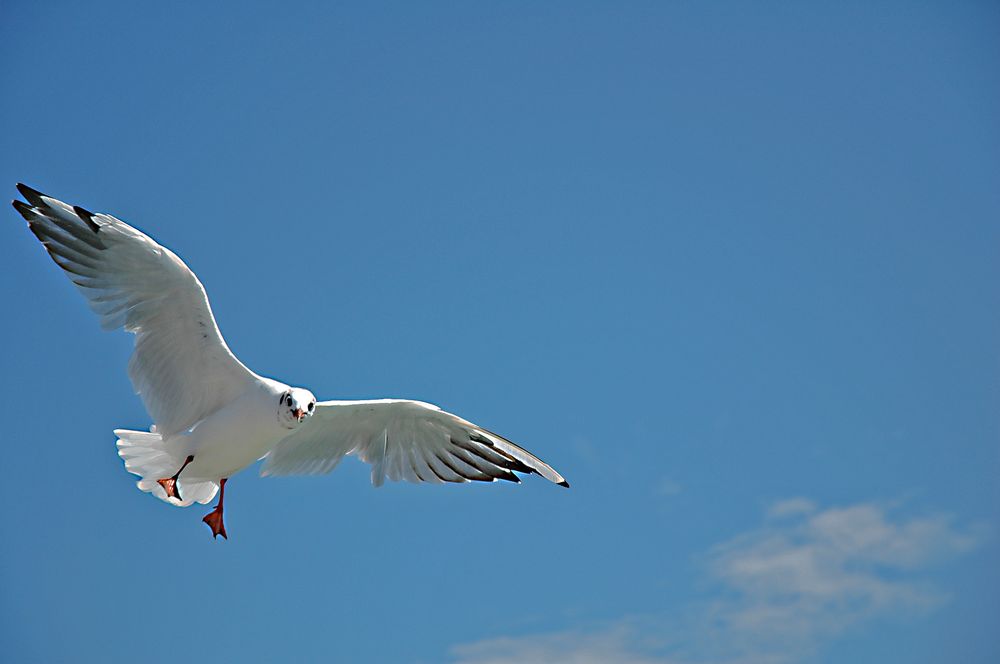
<point x="731" y="268"/>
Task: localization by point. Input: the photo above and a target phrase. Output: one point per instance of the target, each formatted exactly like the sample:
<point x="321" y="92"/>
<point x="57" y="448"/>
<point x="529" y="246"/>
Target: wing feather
<point x="181" y="366"/>
<point x="402" y="440"/>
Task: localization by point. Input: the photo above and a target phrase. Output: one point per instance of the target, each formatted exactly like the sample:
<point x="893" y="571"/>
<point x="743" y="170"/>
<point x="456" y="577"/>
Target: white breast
<point x="236" y="436"/>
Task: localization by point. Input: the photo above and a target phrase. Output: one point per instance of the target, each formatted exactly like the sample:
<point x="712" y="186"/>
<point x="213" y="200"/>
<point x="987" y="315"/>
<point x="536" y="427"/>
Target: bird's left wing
<point x="402" y="440"/>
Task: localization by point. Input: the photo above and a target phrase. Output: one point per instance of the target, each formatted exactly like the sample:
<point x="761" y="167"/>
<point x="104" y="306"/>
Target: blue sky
<point x="731" y="269"/>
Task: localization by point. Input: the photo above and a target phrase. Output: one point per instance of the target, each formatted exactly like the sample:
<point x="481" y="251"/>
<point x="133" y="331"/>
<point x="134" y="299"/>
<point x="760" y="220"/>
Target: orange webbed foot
<point x="169" y="485"/>
<point x="214" y="521"/>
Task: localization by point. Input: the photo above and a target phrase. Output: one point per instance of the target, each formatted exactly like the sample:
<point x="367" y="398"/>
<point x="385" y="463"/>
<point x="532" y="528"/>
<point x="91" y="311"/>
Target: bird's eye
<point x="311" y="406"/>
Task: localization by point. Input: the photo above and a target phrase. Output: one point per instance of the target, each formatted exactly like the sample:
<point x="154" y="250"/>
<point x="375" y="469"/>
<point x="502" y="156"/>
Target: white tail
<point x="146" y="455"/>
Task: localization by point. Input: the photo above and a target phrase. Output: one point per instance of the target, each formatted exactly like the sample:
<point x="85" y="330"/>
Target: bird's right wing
<point x="181" y="367"/>
<point x="402" y="440"/>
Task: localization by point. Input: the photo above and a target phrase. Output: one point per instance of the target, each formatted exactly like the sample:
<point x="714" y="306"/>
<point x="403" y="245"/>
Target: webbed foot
<point x="214" y="521"/>
<point x="170" y="485"/>
<point x="214" y="518"/>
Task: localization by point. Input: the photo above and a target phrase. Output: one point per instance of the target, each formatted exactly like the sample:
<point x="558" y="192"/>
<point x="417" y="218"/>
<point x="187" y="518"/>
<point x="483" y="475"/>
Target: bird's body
<point x="214" y="416"/>
<point x="222" y="444"/>
<point x="238" y="434"/>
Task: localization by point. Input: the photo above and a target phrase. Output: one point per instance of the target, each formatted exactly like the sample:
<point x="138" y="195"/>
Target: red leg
<point x="214" y="518"/>
<point x="170" y="485"/>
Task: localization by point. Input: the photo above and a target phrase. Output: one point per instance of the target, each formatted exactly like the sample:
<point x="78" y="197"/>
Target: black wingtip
<point x="23" y="208"/>
<point x="33" y="196"/>
<point x="563" y="483"/>
<point x="87" y="216"/>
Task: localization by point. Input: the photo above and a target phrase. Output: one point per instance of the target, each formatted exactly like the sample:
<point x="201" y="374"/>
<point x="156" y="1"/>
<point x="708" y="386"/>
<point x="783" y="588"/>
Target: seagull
<point x="212" y="415"/>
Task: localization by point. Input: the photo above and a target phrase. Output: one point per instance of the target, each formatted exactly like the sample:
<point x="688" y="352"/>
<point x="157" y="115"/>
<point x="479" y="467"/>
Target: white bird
<point x="214" y="416"/>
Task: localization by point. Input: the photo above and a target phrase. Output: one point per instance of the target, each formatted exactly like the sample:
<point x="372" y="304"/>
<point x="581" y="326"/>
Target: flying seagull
<point x="212" y="415"/>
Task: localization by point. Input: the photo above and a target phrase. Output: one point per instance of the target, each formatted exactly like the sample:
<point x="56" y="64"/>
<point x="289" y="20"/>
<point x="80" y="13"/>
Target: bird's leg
<point x="169" y="484"/>
<point x="214" y="518"/>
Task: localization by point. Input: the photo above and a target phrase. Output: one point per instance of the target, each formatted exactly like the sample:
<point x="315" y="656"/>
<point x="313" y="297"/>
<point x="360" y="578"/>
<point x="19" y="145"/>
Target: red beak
<point x="299" y="413"/>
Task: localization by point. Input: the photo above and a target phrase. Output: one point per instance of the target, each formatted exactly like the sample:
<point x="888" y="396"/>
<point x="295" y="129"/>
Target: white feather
<point x="181" y="367"/>
<point x="402" y="440"/>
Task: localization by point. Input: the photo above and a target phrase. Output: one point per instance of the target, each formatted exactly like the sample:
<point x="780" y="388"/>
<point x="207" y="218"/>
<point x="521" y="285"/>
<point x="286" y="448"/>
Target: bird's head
<point x="295" y="405"/>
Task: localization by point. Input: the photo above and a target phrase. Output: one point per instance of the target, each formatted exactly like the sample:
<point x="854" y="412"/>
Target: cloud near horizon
<point x="780" y="592"/>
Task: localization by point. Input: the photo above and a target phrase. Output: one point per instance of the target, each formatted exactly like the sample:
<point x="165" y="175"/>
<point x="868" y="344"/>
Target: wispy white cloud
<point x="667" y="487"/>
<point x="781" y="591"/>
<point x="620" y="643"/>
<point x="791" y="507"/>
<point x="793" y="584"/>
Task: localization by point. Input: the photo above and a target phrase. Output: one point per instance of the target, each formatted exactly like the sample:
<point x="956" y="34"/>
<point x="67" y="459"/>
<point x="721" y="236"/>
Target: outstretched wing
<point x="402" y="440"/>
<point x="181" y="366"/>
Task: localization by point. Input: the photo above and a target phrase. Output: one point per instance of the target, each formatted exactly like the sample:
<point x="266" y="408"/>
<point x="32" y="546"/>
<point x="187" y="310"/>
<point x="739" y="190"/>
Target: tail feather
<point x="146" y="455"/>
